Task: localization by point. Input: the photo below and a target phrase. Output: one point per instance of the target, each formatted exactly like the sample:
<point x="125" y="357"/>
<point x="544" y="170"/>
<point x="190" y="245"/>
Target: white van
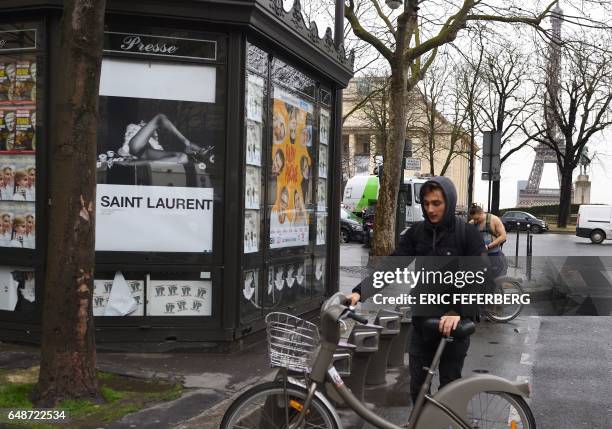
<point x="595" y="222"/>
<point x="362" y="191"/>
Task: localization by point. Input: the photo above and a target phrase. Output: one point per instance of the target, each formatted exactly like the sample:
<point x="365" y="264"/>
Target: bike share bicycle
<point x="295" y="399"/>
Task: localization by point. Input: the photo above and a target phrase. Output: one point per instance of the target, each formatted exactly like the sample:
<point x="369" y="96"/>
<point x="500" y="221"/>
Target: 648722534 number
<point x="15" y="415"/>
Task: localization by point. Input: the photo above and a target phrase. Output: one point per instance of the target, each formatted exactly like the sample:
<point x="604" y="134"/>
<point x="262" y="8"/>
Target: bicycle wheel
<point x="499" y="410"/>
<point x="267" y="407"/>
<point x="503" y="313"/>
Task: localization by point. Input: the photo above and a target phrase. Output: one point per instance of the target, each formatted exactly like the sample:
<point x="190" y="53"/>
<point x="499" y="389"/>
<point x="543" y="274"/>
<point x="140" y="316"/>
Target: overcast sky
<point x="519" y="165"/>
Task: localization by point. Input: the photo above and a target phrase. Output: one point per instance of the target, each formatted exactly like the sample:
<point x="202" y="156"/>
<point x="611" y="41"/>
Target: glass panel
<point x="17" y="289"/>
<point x="322" y="228"/>
<point x="288" y="76"/>
<point x="287" y="284"/>
<point x="325" y="96"/>
<point x="257" y="60"/>
<point x="319" y="270"/>
<point x="250" y="307"/>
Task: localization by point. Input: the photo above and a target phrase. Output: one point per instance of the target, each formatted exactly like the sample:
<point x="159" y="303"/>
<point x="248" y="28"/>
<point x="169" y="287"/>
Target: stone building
<point x="365" y="129"/>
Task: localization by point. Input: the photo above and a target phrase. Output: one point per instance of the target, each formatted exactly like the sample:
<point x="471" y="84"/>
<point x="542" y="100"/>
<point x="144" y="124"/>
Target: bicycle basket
<point x="291" y="341"/>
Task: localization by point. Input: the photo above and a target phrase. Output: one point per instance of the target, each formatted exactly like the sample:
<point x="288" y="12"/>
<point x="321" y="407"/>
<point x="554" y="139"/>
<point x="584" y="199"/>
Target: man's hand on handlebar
<point x="354" y="298"/>
<point x="448" y="324"/>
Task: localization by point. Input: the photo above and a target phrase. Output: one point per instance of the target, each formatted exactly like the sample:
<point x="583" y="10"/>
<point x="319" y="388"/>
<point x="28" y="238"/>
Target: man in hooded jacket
<point x="439" y="244"/>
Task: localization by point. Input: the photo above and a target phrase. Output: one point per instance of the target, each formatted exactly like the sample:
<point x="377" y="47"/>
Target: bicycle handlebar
<point x="356" y="317"/>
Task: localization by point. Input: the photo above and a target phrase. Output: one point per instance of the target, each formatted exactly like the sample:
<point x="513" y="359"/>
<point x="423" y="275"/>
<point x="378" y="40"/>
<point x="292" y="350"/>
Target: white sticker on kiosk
<point x="333" y="373"/>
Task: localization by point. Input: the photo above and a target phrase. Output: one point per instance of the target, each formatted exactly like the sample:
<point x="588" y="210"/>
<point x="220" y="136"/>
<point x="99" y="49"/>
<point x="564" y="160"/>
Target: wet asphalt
<point x="565" y="355"/>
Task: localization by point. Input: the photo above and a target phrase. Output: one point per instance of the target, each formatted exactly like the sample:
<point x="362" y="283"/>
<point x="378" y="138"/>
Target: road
<point x="567" y="360"/>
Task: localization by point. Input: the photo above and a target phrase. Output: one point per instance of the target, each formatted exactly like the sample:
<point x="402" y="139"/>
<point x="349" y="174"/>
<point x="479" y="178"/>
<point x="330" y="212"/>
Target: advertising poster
<point x="17" y="177"/>
<point x="18" y="224"/>
<point x="291" y="177"/>
<point x="154" y="218"/>
<point x="179" y="298"/>
<point x="7" y="80"/>
<point x="7" y="128"/>
<point x="325" y="122"/>
<point x="255" y="98"/>
<point x="157" y="133"/>
<point x="319" y="274"/>
<point x="252" y="188"/>
<point x="8" y="289"/>
<point x="323" y="161"/>
<point x="103" y="289"/>
<point x="25" y="130"/>
<point x="251" y="285"/>
<point x="253" y="143"/>
<point x="251" y="231"/>
<point x="322" y="195"/>
<point x="25" y="81"/>
<point x="321" y="228"/>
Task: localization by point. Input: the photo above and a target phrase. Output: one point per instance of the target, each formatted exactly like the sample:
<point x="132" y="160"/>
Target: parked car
<point x="350" y="227"/>
<point x="513" y="218"/>
<point x="594" y="222"/>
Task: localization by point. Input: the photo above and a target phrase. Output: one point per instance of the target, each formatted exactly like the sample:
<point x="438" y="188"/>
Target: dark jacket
<point x="437" y="248"/>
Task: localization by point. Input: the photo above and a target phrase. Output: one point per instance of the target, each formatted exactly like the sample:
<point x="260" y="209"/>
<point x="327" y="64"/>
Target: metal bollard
<point x="400" y="342"/>
<point x="365" y="338"/>
<point x="390" y="322"/>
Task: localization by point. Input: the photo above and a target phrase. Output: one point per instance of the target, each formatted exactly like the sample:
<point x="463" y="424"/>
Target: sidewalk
<point x="210" y="381"/>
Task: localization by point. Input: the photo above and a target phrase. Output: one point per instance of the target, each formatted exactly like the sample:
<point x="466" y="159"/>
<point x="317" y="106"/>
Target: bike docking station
<point x="366" y="339"/>
<point x="390" y="322"/>
<point x="399" y="346"/>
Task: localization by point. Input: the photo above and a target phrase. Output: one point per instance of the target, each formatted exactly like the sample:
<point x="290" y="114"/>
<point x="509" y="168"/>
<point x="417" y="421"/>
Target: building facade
<point x="365" y="128"/>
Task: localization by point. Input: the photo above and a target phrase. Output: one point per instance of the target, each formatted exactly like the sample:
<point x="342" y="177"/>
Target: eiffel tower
<point x="533" y="195"/>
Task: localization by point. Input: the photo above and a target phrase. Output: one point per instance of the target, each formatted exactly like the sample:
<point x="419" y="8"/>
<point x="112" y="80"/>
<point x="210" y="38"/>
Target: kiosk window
<point x="158" y="158"/>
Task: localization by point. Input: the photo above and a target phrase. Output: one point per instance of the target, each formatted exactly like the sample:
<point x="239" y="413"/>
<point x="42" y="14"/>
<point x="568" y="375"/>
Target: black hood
<point x="450" y="197"/>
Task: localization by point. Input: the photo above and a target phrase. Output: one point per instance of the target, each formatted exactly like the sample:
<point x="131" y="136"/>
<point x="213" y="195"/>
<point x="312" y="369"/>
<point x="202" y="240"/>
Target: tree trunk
<point x="384" y="228"/>
<point x="565" y="197"/>
<point x="495" y="198"/>
<point x="68" y="355"/>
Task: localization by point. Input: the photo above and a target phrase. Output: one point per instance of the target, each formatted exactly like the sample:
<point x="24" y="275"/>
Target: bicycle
<point x="504" y="313"/>
<point x="479" y="401"/>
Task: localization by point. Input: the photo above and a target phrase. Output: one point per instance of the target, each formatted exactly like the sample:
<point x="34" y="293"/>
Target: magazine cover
<point x="255" y="97"/>
<point x="252" y="188"/>
<point x="17" y="224"/>
<point x="322" y="195"/>
<point x="7" y="80"/>
<point x="323" y="158"/>
<point x="25" y="81"/>
<point x="7" y="128"/>
<point x="17" y="177"/>
<point x="253" y="143"/>
<point x="251" y="231"/>
<point x="25" y="130"/>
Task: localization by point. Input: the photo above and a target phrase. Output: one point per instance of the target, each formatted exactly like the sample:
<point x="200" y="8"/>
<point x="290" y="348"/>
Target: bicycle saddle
<point x="465" y="328"/>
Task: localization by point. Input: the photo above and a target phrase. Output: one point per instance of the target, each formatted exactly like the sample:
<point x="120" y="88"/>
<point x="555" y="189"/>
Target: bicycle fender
<point x="457" y="395"/>
<point x="321" y="397"/>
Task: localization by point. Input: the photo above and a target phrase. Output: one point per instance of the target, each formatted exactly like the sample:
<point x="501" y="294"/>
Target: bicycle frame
<point x="439" y="410"/>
